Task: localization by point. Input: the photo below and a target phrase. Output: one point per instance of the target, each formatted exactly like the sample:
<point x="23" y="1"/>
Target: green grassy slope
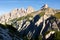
<point x="57" y="15"/>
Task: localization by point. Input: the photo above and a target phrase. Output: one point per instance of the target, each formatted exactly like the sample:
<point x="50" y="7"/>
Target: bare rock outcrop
<point x="15" y="13"/>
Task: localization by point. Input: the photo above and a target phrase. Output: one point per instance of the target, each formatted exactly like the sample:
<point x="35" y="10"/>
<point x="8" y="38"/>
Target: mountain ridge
<point x="36" y="23"/>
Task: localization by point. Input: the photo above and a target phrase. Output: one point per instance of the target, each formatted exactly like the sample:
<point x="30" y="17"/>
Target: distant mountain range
<point x="15" y="14"/>
<point x="29" y="23"/>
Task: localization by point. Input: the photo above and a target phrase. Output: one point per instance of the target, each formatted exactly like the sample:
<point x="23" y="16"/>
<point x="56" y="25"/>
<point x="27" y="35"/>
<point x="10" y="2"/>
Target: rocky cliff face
<point x="15" y="14"/>
<point x="32" y="24"/>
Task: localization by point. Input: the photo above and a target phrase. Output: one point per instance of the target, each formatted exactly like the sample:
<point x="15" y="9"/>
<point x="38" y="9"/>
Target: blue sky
<point x="8" y="5"/>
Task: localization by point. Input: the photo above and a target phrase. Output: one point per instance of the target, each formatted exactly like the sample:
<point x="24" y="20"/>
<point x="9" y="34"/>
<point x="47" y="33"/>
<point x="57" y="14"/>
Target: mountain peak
<point x="30" y="9"/>
<point x="45" y="6"/>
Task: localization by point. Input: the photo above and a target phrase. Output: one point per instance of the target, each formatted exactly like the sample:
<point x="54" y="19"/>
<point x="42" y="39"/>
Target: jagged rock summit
<point x="49" y="11"/>
<point x="15" y="13"/>
<point x="45" y="6"/>
<point x="29" y="9"/>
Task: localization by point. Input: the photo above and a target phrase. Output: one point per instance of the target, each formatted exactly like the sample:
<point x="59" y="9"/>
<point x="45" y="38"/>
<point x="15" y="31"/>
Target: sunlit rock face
<point x="15" y="13"/>
<point x="29" y="9"/>
<point x="48" y="11"/>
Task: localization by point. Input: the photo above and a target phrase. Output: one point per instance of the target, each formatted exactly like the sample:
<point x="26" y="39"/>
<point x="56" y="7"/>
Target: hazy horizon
<point x="8" y="5"/>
